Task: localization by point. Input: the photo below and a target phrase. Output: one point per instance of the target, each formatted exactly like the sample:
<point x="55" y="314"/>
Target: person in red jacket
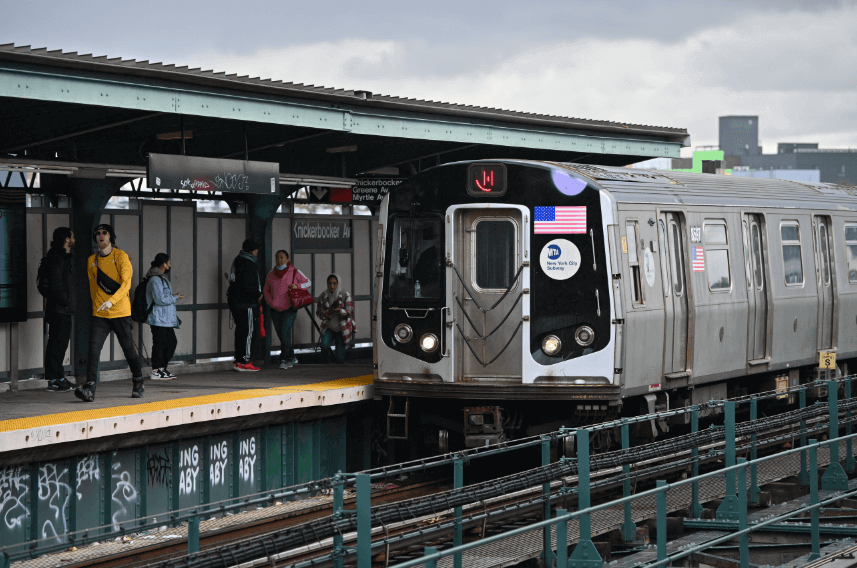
<point x="280" y="280"/>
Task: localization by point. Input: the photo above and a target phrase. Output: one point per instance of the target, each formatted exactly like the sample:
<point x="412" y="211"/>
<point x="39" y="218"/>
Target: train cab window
<point x="634" y="262"/>
<point x="851" y="251"/>
<point x="717" y="256"/>
<point x="792" y="261"/>
<point x="664" y="269"/>
<point x="417" y="253"/>
<point x="676" y="260"/>
<point x="494" y="253"/>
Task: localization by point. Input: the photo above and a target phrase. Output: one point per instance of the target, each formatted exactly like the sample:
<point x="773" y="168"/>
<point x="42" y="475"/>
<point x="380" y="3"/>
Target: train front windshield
<point x="417" y="254"/>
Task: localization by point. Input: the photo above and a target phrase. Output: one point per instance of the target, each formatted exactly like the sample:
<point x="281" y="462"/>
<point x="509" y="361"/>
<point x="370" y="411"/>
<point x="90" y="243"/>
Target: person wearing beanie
<point x="162" y="320"/>
<point x="59" y="307"/>
<point x="244" y="296"/>
<point x="110" y="273"/>
<point x="280" y="280"/>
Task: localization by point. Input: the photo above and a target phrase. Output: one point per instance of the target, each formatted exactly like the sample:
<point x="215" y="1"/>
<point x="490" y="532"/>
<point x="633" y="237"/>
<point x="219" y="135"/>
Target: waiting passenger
<point x="244" y="296"/>
<point x="336" y="311"/>
<point x="58" y="289"/>
<point x="110" y="273"/>
<point x="162" y="320"/>
<point x="283" y="278"/>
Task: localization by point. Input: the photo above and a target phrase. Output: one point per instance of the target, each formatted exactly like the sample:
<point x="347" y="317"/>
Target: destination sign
<point x="168" y="171"/>
<point x="365" y="191"/>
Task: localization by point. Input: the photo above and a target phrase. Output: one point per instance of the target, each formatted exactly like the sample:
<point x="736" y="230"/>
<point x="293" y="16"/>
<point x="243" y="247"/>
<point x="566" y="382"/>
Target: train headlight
<point x="428" y="343"/>
<point x="584" y="335"/>
<point x="551" y="344"/>
<point x="403" y="333"/>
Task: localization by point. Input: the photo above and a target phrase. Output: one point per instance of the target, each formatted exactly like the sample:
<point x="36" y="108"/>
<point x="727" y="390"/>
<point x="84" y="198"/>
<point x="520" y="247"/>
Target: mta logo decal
<point x="554" y="252"/>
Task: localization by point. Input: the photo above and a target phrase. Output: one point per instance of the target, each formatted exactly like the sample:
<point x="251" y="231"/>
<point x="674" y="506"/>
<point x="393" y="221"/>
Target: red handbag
<point x="300" y="297"/>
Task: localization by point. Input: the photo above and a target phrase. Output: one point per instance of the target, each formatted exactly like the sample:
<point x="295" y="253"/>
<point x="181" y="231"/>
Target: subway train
<point x="515" y="297"/>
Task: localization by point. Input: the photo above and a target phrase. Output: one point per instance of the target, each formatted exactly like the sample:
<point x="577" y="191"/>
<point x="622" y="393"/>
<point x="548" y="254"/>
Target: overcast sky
<point x="667" y="63"/>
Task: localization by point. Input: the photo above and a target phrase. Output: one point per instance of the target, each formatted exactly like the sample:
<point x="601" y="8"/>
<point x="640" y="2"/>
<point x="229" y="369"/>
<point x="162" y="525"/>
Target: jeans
<point x="335" y="336"/>
<point x="283" y="322"/>
<point x="164" y="344"/>
<point x="99" y="330"/>
<point x="245" y="321"/>
<point x="59" y="334"/>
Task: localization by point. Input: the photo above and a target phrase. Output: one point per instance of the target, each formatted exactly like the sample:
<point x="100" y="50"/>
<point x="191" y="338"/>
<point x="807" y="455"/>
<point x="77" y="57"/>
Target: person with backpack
<point x="110" y="273"/>
<point x="162" y="318"/>
<point x="244" y="295"/>
<point x="55" y="281"/>
<point x="283" y="278"/>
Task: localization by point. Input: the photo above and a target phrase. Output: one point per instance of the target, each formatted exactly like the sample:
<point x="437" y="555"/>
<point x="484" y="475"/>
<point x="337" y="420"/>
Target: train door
<point x="824" y="277"/>
<point x="487" y="294"/>
<point x="757" y="289"/>
<point x="675" y="299"/>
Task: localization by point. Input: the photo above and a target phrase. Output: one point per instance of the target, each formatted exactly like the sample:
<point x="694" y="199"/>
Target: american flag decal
<point x="698" y="259"/>
<point x="560" y="220"/>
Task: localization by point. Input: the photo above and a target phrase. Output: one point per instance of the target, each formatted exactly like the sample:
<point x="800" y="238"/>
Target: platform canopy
<point x="89" y="116"/>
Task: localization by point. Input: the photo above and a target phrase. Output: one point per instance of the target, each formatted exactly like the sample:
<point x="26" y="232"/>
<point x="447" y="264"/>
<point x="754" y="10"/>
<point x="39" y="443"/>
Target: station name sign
<point x="313" y="234"/>
<point x="169" y="171"/>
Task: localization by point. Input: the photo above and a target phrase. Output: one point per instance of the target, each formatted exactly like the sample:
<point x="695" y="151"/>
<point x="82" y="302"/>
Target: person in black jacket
<point x="244" y="295"/>
<point x="59" y="308"/>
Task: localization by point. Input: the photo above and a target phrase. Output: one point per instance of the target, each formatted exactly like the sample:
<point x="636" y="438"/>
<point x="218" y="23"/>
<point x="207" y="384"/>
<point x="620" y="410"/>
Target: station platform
<point x="40" y="419"/>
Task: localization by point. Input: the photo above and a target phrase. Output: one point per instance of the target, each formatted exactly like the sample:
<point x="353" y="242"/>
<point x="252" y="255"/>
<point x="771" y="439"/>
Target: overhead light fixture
<point x="174" y="135"/>
<point x="342" y="149"/>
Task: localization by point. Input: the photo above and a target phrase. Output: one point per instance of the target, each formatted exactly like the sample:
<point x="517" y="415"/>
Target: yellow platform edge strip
<point x="132" y="409"/>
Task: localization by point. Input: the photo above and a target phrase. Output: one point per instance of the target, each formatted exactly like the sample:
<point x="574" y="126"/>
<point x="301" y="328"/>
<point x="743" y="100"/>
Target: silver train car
<point x="518" y="296"/>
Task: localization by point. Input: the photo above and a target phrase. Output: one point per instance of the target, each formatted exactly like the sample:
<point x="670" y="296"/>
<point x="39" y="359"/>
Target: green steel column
<point x="364" y="521"/>
<point x="628" y="527"/>
<point x="428" y="551"/>
<point x="813" y="499"/>
<point x="547" y="545"/>
<point x="662" y="521"/>
<point x="728" y="509"/>
<point x="743" y="540"/>
<point x="804" y="476"/>
<point x="561" y="543"/>
<point x="585" y="555"/>
<point x="695" y="505"/>
<point x="754" y="485"/>
<point x="849" y="450"/>
<point x="193" y="535"/>
<point x="834" y="478"/>
<point x="338" y="505"/>
<point x="458" y="533"/>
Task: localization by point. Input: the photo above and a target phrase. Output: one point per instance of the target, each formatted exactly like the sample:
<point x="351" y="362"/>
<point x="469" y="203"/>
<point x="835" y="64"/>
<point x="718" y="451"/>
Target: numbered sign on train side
<point x="826" y="360"/>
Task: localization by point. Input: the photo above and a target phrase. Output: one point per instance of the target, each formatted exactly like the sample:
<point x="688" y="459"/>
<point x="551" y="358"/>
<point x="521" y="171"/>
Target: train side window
<point x="792" y="261"/>
<point x="664" y="268"/>
<point x="494" y="253"/>
<point x="851" y="251"/>
<point x="634" y="262"/>
<point x="756" y="243"/>
<point x="747" y="265"/>
<point x="825" y="253"/>
<point x="676" y="260"/>
<point x="717" y="256"/>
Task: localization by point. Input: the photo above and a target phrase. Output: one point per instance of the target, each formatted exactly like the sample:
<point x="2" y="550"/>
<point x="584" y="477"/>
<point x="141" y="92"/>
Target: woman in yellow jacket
<point x="110" y="273"/>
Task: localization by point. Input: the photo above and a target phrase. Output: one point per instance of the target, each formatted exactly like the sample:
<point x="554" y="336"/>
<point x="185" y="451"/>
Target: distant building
<point x="739" y="135"/>
<point x="803" y="176"/>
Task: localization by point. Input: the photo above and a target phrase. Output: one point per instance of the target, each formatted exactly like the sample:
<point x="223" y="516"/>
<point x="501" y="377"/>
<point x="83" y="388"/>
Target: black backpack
<point x="140" y="309"/>
<point x="42" y="283"/>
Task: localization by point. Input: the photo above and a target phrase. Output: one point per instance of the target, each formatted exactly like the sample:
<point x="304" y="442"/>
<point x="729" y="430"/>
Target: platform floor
<point x="38" y="417"/>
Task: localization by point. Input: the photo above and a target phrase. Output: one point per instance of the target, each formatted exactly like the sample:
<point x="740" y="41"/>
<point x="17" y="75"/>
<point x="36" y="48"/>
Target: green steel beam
<point x="64" y="86"/>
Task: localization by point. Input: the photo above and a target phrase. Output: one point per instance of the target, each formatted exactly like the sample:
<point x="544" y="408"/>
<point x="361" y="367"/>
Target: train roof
<point x="630" y="185"/>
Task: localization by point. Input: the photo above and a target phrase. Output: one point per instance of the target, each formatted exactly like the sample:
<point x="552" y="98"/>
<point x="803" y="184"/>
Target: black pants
<point x="245" y="320"/>
<point x="164" y="344"/>
<point x="99" y="330"/>
<point x="59" y="334"/>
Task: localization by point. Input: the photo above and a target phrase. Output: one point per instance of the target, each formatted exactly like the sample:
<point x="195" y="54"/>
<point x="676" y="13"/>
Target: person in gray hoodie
<point x="336" y="311"/>
<point x="162" y="320"/>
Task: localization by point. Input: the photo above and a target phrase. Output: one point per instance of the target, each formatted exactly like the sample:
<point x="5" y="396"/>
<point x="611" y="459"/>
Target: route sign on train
<point x="827" y="360"/>
<point x="365" y="191"/>
<point x="168" y="171"/>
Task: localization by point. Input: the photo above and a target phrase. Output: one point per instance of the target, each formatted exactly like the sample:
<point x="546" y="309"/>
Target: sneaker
<point x="137" y="389"/>
<point x="59" y="385"/>
<point x="293" y="362"/>
<point x="84" y="393"/>
<point x="162" y="375"/>
<point x="245" y="367"/>
<point x="285" y="365"/>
